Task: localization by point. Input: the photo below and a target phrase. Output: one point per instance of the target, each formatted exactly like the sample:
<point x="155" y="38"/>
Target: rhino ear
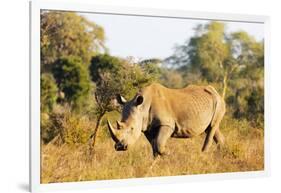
<point x="139" y="100"/>
<point x="121" y="100"/>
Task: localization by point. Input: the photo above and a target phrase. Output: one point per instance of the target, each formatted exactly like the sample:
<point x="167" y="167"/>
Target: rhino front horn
<point x="112" y="131"/>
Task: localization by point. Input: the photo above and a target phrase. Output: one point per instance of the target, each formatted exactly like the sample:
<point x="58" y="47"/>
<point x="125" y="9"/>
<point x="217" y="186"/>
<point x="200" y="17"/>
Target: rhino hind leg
<point x="213" y="133"/>
<point x="219" y="138"/>
<point x="209" y="139"/>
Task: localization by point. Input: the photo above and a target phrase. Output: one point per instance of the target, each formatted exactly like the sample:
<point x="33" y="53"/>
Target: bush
<point x="76" y="129"/>
<point x="255" y="110"/>
<point x="46" y="132"/>
<point x="48" y="93"/>
<point x="63" y="126"/>
<point x="73" y="80"/>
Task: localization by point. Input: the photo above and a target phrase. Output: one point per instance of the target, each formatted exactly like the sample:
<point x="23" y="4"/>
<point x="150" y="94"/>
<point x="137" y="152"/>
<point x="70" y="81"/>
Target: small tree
<point x="73" y="80"/>
<point x="114" y="76"/>
<point x="48" y="92"/>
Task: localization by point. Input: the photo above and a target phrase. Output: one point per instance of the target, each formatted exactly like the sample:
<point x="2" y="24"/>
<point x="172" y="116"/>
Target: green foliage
<point x="47" y="131"/>
<point x="152" y="69"/>
<point x="67" y="33"/>
<point x="114" y="76"/>
<point x="204" y="53"/>
<point x="73" y="80"/>
<point x="255" y="103"/>
<point x="210" y="51"/>
<point x="104" y="63"/>
<point x="246" y="49"/>
<point x="248" y="84"/>
<point x="48" y="92"/>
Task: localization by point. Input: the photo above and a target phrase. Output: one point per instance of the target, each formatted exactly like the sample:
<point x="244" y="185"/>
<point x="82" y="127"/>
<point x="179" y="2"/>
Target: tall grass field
<point x="72" y="162"/>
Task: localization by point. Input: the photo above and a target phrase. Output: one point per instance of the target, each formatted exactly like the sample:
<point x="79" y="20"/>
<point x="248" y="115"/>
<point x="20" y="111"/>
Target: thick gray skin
<point x="162" y="113"/>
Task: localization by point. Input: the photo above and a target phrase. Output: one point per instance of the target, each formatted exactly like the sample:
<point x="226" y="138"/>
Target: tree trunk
<point x="94" y="135"/>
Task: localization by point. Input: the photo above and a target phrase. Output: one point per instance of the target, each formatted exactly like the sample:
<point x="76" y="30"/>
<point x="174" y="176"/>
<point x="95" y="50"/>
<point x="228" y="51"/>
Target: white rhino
<point x="161" y="113"/>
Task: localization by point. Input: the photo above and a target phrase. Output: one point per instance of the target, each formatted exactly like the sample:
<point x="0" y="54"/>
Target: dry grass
<point x="243" y="151"/>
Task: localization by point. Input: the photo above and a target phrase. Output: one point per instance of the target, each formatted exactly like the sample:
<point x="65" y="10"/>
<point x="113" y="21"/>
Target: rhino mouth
<point x="120" y="147"/>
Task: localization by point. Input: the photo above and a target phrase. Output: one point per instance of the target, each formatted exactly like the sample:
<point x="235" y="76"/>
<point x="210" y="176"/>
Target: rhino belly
<point x="191" y="127"/>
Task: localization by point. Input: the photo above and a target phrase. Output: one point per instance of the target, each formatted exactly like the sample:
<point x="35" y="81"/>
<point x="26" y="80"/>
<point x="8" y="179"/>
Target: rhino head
<point x="129" y="129"/>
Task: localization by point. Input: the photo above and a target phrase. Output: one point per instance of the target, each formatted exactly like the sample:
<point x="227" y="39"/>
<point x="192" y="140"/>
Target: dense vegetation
<point x="80" y="80"/>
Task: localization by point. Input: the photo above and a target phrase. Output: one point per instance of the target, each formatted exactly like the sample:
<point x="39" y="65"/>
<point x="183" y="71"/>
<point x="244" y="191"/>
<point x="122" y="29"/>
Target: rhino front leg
<point x="164" y="134"/>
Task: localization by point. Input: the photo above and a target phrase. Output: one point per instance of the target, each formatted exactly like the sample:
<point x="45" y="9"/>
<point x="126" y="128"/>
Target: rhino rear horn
<point x="121" y="100"/>
<point x="119" y="125"/>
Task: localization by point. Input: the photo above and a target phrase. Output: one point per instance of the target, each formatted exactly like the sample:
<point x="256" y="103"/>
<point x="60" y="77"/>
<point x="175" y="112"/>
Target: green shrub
<point x="73" y="80"/>
<point x="48" y="94"/>
<point x="255" y="110"/>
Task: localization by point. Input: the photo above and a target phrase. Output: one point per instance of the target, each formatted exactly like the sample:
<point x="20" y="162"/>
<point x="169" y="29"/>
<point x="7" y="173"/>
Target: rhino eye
<point x="132" y="128"/>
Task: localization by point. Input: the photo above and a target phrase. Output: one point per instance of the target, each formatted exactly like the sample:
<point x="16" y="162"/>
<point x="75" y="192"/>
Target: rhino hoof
<point x="162" y="154"/>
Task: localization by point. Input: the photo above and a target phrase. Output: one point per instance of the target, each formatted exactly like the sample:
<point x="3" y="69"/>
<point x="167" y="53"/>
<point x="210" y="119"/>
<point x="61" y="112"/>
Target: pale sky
<point x="155" y="37"/>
